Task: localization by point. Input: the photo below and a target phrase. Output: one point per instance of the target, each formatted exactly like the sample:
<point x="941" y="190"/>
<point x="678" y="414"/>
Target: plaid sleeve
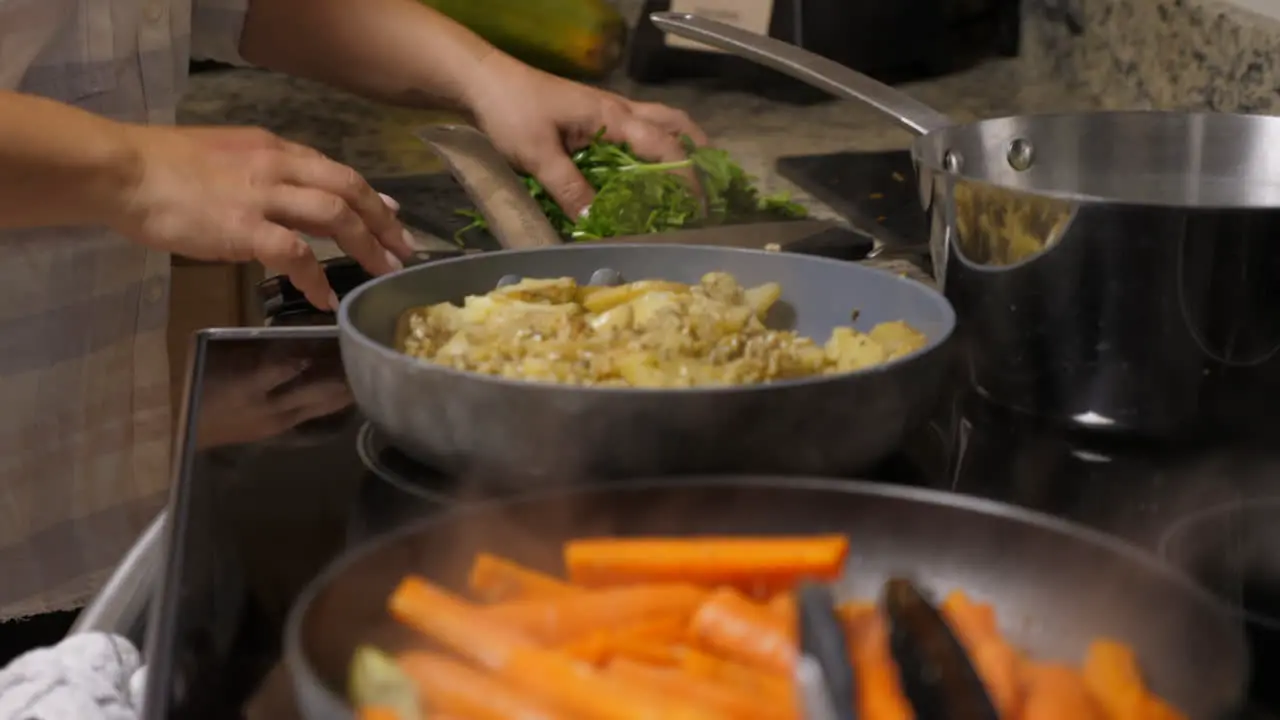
<point x="216" y="26"/>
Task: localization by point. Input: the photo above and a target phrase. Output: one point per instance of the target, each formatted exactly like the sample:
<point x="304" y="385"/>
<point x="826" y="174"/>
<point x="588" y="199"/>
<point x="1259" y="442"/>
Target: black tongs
<point x="824" y="674"/>
<point x="937" y="677"/>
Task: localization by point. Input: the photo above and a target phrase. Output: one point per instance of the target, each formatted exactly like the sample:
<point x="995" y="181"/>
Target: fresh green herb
<point x="635" y="197"/>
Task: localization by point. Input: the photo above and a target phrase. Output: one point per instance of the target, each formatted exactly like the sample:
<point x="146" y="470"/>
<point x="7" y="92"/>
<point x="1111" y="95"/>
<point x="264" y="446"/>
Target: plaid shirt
<point x="84" y="383"/>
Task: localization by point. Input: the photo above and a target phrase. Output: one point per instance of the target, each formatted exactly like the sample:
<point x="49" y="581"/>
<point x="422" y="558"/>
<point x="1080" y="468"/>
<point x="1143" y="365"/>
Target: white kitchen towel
<point x="85" y="677"/>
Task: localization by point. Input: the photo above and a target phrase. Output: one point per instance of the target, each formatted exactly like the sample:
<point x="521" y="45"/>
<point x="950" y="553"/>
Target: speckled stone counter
<point x="1164" y="54"/>
<point x="376" y="139"/>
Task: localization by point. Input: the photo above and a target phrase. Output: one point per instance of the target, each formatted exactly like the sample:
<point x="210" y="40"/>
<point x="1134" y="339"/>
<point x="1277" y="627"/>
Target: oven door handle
<point x="121" y="605"/>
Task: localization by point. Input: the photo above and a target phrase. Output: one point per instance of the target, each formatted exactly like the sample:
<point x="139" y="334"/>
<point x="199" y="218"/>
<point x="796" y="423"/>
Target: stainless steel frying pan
<point x="1054" y="585"/>
<point x="1112" y="270"/>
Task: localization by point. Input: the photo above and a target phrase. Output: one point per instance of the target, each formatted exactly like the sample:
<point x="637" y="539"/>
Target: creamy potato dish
<point x="649" y="334"/>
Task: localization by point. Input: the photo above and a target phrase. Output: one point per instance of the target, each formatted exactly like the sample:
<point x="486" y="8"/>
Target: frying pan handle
<point x="514" y="219"/>
<point x="806" y="67"/>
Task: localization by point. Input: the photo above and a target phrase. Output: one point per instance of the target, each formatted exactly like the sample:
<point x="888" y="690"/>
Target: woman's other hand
<point x="239" y="194"/>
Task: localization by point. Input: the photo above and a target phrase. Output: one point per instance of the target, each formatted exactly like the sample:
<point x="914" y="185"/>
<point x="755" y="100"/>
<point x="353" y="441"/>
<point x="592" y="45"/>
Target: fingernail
<point x="584" y="212"/>
<point x="333" y="300"/>
<point x="390" y="202"/>
<point x="393" y="261"/>
<point x="409" y="239"/>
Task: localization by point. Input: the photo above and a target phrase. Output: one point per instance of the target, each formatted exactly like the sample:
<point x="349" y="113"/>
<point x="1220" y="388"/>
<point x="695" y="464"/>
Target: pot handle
<point x="514" y="219"/>
<point x="807" y="67"/>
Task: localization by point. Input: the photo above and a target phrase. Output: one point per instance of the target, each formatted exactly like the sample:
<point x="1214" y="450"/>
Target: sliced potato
<point x="850" y="350"/>
<point x="600" y="300"/>
<point x="648" y="334"/>
<point x="762" y="297"/>
<point x="897" y="338"/>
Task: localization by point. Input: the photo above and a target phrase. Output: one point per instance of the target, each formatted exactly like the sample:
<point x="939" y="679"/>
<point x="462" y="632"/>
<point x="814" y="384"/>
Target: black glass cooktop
<point x="281" y="474"/>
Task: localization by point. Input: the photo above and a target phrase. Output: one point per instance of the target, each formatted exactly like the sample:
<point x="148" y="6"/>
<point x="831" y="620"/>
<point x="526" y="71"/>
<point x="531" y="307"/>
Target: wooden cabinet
<point x="204" y="295"/>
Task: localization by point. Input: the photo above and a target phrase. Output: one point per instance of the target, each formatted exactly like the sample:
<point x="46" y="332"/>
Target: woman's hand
<point x="239" y="194"/>
<point x="533" y="117"/>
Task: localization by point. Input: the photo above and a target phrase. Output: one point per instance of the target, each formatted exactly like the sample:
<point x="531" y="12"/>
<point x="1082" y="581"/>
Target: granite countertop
<point x="376" y="139"/>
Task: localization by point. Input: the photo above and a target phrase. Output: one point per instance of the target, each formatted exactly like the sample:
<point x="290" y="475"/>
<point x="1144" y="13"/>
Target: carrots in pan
<point x="649" y="641"/>
<point x="495" y="579"/>
<point x="552" y="676"/>
<point x="996" y="662"/>
<point x="701" y="629"/>
<point x="1056" y="692"/>
<point x="726" y="700"/>
<point x="879" y="690"/>
<point x="558" y="620"/>
<point x="1112" y="676"/>
<point x="738" y="628"/>
<point x="455" y="623"/>
<point x="752" y="564"/>
<point x="454" y="688"/>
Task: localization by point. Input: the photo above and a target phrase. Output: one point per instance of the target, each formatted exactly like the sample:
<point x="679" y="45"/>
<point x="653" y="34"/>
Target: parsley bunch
<point x="635" y="197"/>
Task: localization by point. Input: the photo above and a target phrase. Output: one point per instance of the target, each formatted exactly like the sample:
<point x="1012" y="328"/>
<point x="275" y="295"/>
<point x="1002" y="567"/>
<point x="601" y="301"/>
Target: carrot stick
<point x="1056" y="692"/>
<point x="454" y="623"/>
<point x="554" y="677"/>
<point x="563" y="619"/>
<point x="584" y="692"/>
<point x="376" y="712"/>
<point x="853" y="611"/>
<point x="777" y="687"/>
<point x="880" y="695"/>
<point x="749" y="563"/>
<point x="1111" y="673"/>
<point x="447" y="686"/>
<point x="649" y="641"/>
<point x="784" y="606"/>
<point x="996" y="662"/>
<point x="969" y="619"/>
<point x="496" y="579"/>
<point x="732" y="625"/>
<point x="690" y="689"/>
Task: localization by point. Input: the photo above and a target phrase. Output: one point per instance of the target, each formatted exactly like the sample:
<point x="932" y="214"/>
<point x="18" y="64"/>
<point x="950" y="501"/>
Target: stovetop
<point x="279" y="474"/>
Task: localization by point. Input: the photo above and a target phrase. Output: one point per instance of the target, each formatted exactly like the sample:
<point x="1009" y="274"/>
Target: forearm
<point x="59" y="165"/>
<point x="399" y="51"/>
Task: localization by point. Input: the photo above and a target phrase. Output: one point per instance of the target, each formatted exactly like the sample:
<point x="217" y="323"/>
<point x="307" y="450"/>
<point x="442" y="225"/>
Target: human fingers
<point x="673" y="121"/>
<point x="561" y="178"/>
<point x="654" y="144"/>
<point x="307" y="168"/>
<point x="284" y="252"/>
<point x="648" y="140"/>
<point x="322" y="214"/>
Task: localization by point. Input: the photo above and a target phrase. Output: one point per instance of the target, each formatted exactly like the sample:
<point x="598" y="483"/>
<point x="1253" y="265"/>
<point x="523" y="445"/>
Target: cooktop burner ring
<point x="1217" y="531"/>
<point x="373" y="452"/>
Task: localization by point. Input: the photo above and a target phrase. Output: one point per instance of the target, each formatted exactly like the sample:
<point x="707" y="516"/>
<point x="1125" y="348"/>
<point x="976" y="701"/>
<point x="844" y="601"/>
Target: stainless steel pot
<point x="1112" y="270"/>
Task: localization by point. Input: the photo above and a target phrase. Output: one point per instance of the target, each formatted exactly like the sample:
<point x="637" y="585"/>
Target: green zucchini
<point x="575" y="38"/>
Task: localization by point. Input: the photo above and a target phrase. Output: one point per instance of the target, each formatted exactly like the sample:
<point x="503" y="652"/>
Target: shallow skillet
<point x="464" y="423"/>
<point x="1054" y="585"/>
